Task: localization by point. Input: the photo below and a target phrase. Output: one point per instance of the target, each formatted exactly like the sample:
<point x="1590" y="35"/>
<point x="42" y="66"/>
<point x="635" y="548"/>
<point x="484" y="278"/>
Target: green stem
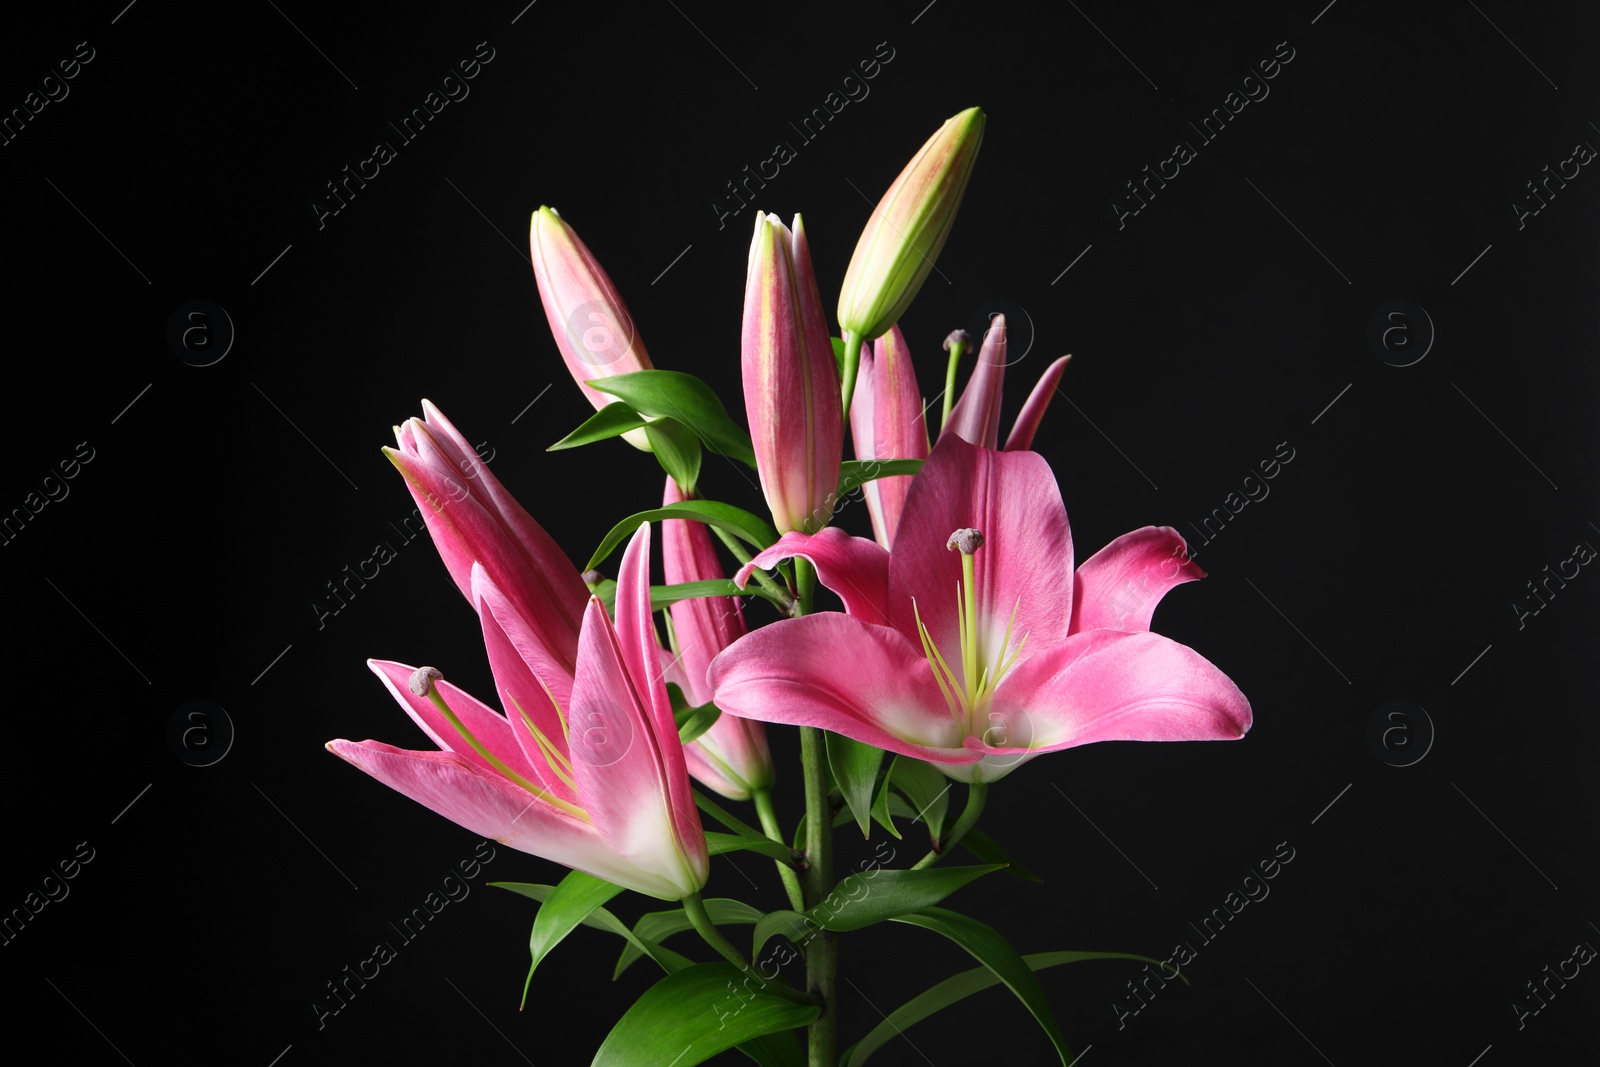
<point x="822" y="951"/>
<point x="769" y="823"/>
<point x="977" y="793"/>
<point x="724" y="816"/>
<point x="771" y="590"/>
<point x="950" y="382"/>
<point x="695" y="908"/>
<point x="852" y="363"/>
<point x="805" y="583"/>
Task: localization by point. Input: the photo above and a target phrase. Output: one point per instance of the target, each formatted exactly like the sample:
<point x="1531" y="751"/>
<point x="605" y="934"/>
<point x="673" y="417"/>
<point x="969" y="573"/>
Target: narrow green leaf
<point x="677" y="449"/>
<point x="690" y="1016"/>
<point x="883" y="807"/>
<point x="750" y="528"/>
<point x="986" y="849"/>
<point x="573" y="900"/>
<point x="717" y="844"/>
<point x="926" y="789"/>
<point x="602" y="919"/>
<point x="687" y="399"/>
<point x="613" y="420"/>
<point x="660" y="925"/>
<point x="853" y="472"/>
<point x="867" y="897"/>
<point x="958" y="987"/>
<point x="692" y="722"/>
<point x="664" y="596"/>
<point x="855" y="767"/>
<point x="989" y="948"/>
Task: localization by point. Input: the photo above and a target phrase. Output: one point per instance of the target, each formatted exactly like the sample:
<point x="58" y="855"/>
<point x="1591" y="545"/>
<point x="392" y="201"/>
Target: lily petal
<point x="486" y="724"/>
<point x="1107" y="685"/>
<point x="1033" y="409"/>
<point x="888" y="421"/>
<point x="854" y="567"/>
<point x="488" y="804"/>
<point x="1119" y="586"/>
<point x="836" y="672"/>
<point x="1025" y="564"/>
<point x="976" y="416"/>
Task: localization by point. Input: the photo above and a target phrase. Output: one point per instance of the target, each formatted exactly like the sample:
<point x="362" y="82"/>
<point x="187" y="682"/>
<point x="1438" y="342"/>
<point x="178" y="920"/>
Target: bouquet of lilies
<point x="970" y="640"/>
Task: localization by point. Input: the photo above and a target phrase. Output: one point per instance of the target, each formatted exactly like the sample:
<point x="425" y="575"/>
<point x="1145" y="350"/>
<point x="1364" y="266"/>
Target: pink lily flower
<point x="591" y="324"/>
<point x="791" y="381"/>
<point x="731" y="757"/>
<point x="598" y="784"/>
<point x="976" y="416"/>
<point x="473" y="519"/>
<point x="887" y="421"/>
<point x="974" y="645"/>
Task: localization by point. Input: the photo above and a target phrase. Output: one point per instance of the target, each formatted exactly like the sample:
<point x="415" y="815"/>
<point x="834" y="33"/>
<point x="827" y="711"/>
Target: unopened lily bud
<point x="591" y="324"/>
<point x="908" y="228"/>
<point x="791" y="381"/>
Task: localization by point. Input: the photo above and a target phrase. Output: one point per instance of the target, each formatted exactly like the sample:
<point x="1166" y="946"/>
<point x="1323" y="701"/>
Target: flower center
<point x="969" y="693"/>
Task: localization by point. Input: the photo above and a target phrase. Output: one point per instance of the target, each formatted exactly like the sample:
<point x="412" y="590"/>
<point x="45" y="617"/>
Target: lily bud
<point x="908" y="228"/>
<point x="887" y="421"/>
<point x="732" y="757"/>
<point x="791" y="381"/>
<point x="591" y="324"/>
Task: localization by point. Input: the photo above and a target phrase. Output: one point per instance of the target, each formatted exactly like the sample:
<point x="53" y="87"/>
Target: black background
<point x="1218" y="323"/>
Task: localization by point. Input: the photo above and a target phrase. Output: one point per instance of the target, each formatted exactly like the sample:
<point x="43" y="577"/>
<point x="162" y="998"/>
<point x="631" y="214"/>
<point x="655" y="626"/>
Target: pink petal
<point x="838" y="673"/>
<point x="704" y="626"/>
<point x="520" y="665"/>
<point x="1119" y="586"/>
<point x="1107" y="685"/>
<point x="1025" y="563"/>
<point x="854" y="567"/>
<point x="488" y="804"/>
<point x="1032" y="412"/>
<point x="486" y="724"/>
<point x="626" y="756"/>
<point x="976" y="416"/>
<point x="887" y="421"/>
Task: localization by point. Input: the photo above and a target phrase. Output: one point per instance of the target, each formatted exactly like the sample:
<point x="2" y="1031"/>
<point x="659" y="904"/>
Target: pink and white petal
<point x="838" y="673"/>
<point x="520" y="665"/>
<point x="1108" y="685"/>
<point x="703" y="626"/>
<point x="1033" y="410"/>
<point x="1025" y="562"/>
<point x="488" y="804"/>
<point x="486" y="724"/>
<point x="618" y="763"/>
<point x="854" y="567"/>
<point x="1119" y="586"/>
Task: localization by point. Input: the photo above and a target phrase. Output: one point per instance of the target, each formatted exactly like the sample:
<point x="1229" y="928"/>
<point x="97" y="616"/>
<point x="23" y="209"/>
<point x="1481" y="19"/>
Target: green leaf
<point x="855" y="767"/>
<point x="853" y="472"/>
<point x="660" y="925"/>
<point x="717" y="844"/>
<point x="664" y="596"/>
<point x="867" y="897"/>
<point x="986" y="849"/>
<point x="613" y="420"/>
<point x="958" y="987"/>
<point x="573" y="900"/>
<point x="677" y="449"/>
<point x="992" y="950"/>
<point x="750" y="528"/>
<point x="692" y="722"/>
<point x="690" y="1016"/>
<point x="882" y="807"/>
<point x="926" y="789"/>
<point x="687" y="399"/>
<point x="838" y="354"/>
<point x="602" y="919"/>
